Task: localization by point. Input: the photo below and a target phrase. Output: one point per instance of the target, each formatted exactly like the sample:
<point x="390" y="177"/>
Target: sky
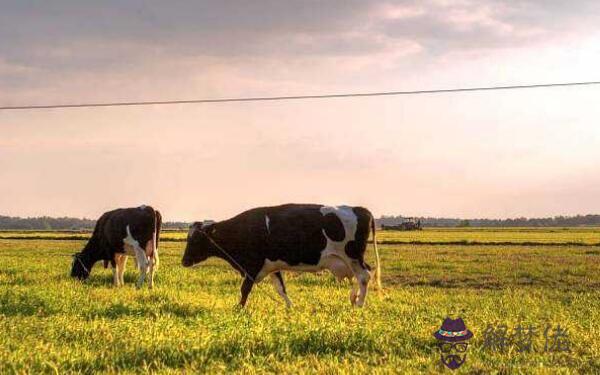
<point x="493" y="154"/>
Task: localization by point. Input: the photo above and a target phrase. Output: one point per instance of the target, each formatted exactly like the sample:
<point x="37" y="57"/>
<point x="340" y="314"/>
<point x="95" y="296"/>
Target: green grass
<point x="544" y="236"/>
<point x="50" y="323"/>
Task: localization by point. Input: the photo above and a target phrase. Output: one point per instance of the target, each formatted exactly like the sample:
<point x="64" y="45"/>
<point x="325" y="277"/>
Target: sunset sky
<point x="483" y="154"/>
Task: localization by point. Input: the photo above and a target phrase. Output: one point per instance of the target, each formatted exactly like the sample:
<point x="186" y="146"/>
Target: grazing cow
<point x="300" y="237"/>
<point x="119" y="233"/>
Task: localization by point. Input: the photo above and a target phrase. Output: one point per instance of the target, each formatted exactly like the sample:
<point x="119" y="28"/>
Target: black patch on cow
<point x="356" y="249"/>
<point x="295" y="236"/>
<point x="334" y="229"/>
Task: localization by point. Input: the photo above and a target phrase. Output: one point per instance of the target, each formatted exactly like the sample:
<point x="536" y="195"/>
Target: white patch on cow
<point x="338" y="268"/>
<point x="348" y="219"/>
<point x="331" y="262"/>
<point x="350" y="223"/>
<point x="271" y="266"/>
<point x="267" y="224"/>
<point x="129" y="240"/>
<point x="132" y="246"/>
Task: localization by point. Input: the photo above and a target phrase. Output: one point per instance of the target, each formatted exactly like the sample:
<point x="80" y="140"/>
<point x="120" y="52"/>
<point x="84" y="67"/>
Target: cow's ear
<point x="196" y="226"/>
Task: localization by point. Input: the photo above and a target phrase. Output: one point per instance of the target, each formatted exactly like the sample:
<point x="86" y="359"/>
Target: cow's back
<point x="293" y="233"/>
<point x="141" y="222"/>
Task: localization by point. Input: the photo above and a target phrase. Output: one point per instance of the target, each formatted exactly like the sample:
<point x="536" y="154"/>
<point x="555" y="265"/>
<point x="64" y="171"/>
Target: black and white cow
<point x="300" y="237"/>
<point x="119" y="233"/>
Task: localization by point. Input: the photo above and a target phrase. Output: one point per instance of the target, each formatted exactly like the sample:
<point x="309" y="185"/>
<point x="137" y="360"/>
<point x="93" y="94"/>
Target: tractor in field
<point x="409" y="223"/>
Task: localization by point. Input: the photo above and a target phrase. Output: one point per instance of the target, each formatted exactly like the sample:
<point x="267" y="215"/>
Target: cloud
<point x="99" y="33"/>
<point x="125" y="48"/>
<point x="455" y="26"/>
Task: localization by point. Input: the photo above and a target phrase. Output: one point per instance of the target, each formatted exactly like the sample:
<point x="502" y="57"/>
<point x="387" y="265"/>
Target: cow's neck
<point x="227" y="253"/>
<point x="236" y="265"/>
<point x="88" y="259"/>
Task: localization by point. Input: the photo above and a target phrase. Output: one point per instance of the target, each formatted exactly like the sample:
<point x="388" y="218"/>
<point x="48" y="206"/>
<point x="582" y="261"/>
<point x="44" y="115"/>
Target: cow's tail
<point x="377" y="260"/>
<point x="157" y="226"/>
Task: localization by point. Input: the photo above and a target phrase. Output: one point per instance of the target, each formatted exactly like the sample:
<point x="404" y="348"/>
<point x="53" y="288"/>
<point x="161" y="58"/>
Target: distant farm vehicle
<point x="410" y="223"/>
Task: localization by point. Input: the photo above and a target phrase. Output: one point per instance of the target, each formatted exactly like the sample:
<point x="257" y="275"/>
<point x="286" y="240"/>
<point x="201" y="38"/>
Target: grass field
<point x="52" y="324"/>
<point x="455" y="236"/>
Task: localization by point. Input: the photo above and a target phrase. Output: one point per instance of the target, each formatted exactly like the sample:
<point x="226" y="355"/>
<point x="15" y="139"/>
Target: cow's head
<point x="199" y="247"/>
<point x="81" y="267"/>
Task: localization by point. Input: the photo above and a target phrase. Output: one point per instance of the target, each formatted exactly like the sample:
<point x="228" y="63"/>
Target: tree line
<point x="63" y="223"/>
<point x="556" y="221"/>
<point x="71" y="223"/>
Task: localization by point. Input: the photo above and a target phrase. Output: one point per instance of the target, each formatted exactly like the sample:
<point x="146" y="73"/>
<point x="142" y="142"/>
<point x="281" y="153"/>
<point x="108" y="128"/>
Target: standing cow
<point x="301" y="237"/>
<point x="119" y="233"/>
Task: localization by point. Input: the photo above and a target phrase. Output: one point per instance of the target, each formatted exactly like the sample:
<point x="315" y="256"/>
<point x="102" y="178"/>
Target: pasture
<point x="450" y="236"/>
<point x="52" y="324"/>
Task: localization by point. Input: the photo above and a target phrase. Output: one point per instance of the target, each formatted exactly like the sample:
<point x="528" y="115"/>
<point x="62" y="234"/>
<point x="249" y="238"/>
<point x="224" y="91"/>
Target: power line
<point x="298" y="97"/>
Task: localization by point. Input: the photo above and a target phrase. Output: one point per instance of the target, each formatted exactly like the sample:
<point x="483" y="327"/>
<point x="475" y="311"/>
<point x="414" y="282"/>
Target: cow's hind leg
<point x="142" y="262"/>
<point x="152" y="254"/>
<point x="277" y="280"/>
<point x="151" y="264"/>
<point x="247" y="285"/>
<point x="363" y="276"/>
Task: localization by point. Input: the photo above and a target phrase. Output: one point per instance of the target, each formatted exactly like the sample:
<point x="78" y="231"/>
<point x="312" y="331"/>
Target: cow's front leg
<point x="353" y="292"/>
<point x="247" y="285"/>
<point x="121" y="268"/>
<point x="277" y="280"/>
<point x="115" y="270"/>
